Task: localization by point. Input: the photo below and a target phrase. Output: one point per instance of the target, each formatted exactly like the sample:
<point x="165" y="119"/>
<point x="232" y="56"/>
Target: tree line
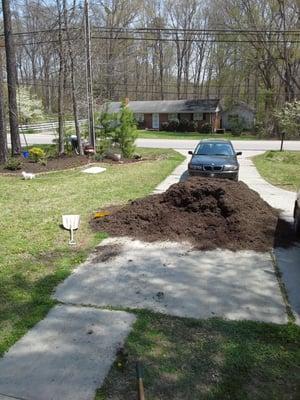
<point x="236" y="50"/>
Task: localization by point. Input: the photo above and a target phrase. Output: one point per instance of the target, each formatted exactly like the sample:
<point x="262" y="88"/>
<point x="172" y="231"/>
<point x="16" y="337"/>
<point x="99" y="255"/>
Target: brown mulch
<point x="209" y="213"/>
<point x="60" y="163"/>
<point x="53" y="164"/>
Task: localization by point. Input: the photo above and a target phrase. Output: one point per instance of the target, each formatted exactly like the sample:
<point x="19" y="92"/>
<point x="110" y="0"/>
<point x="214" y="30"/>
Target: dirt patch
<point x="209" y="213"/>
<point x="105" y="253"/>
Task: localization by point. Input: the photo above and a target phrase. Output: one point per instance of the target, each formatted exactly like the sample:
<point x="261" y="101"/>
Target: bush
<point x="103" y="147"/>
<point x="205" y="128"/>
<point x="170" y="126"/>
<point x="186" y="125"/>
<point x="36" y="154"/>
<point x="98" y="157"/>
<point x="236" y="126"/>
<point x="13" y="164"/>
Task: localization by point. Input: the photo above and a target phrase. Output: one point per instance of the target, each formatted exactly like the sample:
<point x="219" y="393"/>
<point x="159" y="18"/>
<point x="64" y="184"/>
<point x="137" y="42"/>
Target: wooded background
<point x="159" y="49"/>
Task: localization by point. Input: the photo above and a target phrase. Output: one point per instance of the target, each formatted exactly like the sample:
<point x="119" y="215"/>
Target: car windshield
<point x="214" y="149"/>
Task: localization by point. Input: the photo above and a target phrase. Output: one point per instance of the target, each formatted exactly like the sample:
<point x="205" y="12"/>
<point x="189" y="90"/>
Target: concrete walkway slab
<point x="170" y="278"/>
<point x="64" y="357"/>
<point x="175" y="176"/>
<point x="94" y="170"/>
<point x="281" y="199"/>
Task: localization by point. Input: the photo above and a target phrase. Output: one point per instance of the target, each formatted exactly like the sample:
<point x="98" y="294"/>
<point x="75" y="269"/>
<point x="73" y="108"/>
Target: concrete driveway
<point x="287" y="259"/>
<point x="172" y="278"/>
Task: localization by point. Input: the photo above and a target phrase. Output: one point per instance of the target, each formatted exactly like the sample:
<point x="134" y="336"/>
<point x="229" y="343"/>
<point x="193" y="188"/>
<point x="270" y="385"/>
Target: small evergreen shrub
<point x="13" y="164"/>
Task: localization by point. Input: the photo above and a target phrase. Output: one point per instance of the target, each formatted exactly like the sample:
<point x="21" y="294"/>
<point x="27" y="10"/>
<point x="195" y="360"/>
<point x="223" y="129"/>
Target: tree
<point x="73" y="80"/>
<point x="11" y="79"/>
<point x="61" y="86"/>
<point x="289" y="118"/>
<point x="30" y="107"/>
<point x="3" y="137"/>
<point x="126" y="131"/>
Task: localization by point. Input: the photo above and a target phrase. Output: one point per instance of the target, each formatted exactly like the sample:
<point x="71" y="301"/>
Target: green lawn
<point x="142" y="134"/>
<point x="34" y="250"/>
<point x="186" y="359"/>
<point x="281" y="168"/>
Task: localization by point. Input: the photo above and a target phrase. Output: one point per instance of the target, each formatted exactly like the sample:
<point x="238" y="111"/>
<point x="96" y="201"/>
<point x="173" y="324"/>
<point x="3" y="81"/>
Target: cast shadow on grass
<point x="208" y="359"/>
<point x="25" y="301"/>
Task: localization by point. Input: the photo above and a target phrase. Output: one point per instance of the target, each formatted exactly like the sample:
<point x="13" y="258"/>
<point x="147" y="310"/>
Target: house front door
<point x="155" y="121"/>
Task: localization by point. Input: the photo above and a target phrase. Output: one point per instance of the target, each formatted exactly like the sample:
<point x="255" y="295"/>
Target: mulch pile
<point x="209" y="213"/>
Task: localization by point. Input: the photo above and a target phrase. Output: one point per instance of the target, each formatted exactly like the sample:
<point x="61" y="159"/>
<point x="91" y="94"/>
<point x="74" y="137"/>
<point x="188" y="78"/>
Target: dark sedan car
<point x="214" y="158"/>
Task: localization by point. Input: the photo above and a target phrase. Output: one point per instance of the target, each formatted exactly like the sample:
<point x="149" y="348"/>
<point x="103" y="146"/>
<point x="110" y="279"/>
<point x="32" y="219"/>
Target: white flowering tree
<point x="288" y="119"/>
<point x="30" y="108"/>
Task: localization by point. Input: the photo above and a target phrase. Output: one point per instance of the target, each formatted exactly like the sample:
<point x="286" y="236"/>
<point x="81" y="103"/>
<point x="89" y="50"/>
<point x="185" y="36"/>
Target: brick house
<point x="152" y="114"/>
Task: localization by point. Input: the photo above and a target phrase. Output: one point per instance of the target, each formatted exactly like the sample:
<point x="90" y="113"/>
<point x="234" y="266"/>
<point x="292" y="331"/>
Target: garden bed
<point x="65" y="162"/>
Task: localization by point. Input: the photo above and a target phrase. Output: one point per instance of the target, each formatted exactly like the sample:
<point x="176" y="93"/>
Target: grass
<point x="143" y="134"/>
<point x="34" y="251"/>
<point x="281" y="168"/>
<point x="208" y="360"/>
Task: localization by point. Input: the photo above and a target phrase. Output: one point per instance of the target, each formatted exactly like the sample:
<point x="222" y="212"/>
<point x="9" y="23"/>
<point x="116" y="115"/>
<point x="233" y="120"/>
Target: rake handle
<point x="139" y="375"/>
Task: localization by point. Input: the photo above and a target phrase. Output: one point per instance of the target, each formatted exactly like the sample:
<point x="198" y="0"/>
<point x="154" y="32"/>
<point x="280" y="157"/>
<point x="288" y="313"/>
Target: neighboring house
<point x="152" y="114"/>
<point x="240" y="111"/>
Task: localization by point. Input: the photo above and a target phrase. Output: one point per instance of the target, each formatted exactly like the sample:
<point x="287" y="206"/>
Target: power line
<point x="194" y="40"/>
<point x="205" y="31"/>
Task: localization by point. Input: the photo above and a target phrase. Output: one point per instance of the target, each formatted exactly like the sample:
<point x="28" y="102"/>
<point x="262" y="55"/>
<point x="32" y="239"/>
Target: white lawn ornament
<point x="27" y="175"/>
<point x="71" y="223"/>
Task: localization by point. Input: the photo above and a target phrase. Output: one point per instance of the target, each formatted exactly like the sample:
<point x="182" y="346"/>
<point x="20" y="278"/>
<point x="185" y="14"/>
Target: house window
<point x="173" y="117"/>
<point x="198" y="117"/>
<point x="139" y="117"/>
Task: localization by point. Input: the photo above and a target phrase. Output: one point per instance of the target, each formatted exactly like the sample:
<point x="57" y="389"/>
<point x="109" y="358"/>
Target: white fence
<point x="47" y="127"/>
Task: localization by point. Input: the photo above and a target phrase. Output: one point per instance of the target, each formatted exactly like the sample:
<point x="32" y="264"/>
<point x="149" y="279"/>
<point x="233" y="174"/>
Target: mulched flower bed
<point x="209" y="213"/>
<point x="59" y="163"/>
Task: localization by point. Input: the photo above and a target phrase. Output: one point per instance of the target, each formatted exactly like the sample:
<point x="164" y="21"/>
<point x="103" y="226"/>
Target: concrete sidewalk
<point x="66" y="356"/>
<point x="175" y="175"/>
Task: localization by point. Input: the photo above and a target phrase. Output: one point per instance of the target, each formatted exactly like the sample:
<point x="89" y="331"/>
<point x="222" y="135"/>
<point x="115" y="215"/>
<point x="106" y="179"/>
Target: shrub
<point x="186" y="125"/>
<point x="36" y="154"/>
<point x="13" y="164"/>
<point x="103" y="147"/>
<point x="236" y="125"/>
<point x="205" y="128"/>
<point x="170" y="126"/>
<point x="98" y="157"/>
<point x="126" y="133"/>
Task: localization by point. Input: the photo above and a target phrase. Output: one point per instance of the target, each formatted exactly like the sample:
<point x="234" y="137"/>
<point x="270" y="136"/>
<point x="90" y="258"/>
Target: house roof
<point x="167" y="106"/>
<point x="238" y="104"/>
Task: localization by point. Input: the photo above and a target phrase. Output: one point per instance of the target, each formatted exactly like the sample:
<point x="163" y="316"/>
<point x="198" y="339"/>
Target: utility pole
<point x="11" y="69"/>
<point x="89" y="75"/>
<point x="3" y="136"/>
